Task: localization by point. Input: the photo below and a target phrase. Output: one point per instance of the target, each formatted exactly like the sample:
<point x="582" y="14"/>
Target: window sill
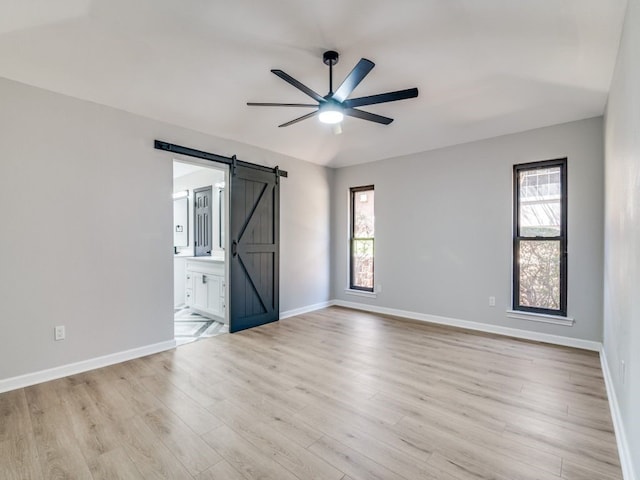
<point x="360" y="293"/>
<point x="541" y="317"/>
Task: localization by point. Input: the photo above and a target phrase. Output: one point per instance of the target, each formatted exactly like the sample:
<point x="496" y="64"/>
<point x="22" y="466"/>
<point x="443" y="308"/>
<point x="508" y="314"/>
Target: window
<point x="362" y="239"/>
<point x="540" y="237"/>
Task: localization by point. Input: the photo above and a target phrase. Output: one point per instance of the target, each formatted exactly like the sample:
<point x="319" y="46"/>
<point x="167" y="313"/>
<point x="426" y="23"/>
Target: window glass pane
<point x="540" y="197"/>
<point x="362" y="263"/>
<point x="540" y="274"/>
<point x="363" y="219"/>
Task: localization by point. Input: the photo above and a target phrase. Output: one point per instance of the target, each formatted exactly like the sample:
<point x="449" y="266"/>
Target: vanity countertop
<point x="217" y="258"/>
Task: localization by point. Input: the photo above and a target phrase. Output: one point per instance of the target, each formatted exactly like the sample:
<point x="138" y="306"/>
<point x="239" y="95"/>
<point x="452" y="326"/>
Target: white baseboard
<point x="307" y="309"/>
<point x="482" y="327"/>
<point x="29" y="379"/>
<point x="618" y="424"/>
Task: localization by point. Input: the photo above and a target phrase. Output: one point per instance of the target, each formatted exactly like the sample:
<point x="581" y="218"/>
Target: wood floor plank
<point x="94" y="434"/>
<point x="574" y="471"/>
<point x="233" y="392"/>
<point x="149" y="455"/>
<point x="58" y="452"/>
<point x="395" y="458"/>
<point x="114" y="465"/>
<point x="108" y="400"/>
<point x="220" y="471"/>
<point x="354" y="464"/>
<point x="245" y="457"/>
<point x="198" y="418"/>
<point x="334" y="394"/>
<point x="139" y="399"/>
<point x="298" y="432"/>
<point x="344" y="425"/>
<point x="18" y="449"/>
<point x="451" y="422"/>
<point x="473" y="456"/>
<point x="605" y="463"/>
<point x="184" y="443"/>
<point x="283" y="450"/>
<point x="364" y="407"/>
<point x="18" y="461"/>
<point x="264" y="410"/>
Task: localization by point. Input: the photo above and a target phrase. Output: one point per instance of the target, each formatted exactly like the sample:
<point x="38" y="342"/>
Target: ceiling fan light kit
<point x="330" y="114"/>
<point x="332" y="108"/>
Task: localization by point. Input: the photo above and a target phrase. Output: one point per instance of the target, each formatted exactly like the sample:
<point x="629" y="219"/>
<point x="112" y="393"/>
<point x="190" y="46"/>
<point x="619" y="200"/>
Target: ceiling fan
<point x="334" y="105"/>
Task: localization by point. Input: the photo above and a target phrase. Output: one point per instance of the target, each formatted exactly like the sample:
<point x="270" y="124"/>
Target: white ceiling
<point x="181" y="169"/>
<point x="483" y="68"/>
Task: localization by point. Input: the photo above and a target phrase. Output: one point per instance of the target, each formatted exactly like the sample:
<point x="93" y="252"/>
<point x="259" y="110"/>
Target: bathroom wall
<point x="201" y="178"/>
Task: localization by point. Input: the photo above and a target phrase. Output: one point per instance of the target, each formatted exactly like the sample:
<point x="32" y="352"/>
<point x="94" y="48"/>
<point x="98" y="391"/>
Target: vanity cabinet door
<point x="213" y="295"/>
<point x="205" y="289"/>
<point x="200" y="290"/>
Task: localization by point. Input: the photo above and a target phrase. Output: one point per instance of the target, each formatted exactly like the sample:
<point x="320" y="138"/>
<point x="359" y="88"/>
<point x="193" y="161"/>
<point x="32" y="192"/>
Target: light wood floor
<point x="335" y="394"/>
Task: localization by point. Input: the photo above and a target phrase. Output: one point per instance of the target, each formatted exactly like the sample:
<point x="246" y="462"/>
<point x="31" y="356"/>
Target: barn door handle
<point x="234" y="248"/>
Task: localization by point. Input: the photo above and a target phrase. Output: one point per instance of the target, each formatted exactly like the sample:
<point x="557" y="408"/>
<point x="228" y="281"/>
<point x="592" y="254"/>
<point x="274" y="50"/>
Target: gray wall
<point x="86" y="242"/>
<point x="443" y="227"/>
<point x="622" y="230"/>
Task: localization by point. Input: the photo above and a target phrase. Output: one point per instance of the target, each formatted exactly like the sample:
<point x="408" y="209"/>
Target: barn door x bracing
<point x="254" y="247"/>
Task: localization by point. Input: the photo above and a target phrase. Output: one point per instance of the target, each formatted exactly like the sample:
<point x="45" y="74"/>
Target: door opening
<point x="200" y="261"/>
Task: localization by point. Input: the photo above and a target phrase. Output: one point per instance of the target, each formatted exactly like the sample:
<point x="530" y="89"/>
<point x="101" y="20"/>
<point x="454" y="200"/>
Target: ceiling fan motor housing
<point x="330" y="57"/>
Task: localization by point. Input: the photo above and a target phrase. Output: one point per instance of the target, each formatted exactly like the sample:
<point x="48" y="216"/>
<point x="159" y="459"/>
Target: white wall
<point x="443" y="223"/>
<point x="622" y="231"/>
<point x="86" y="209"/>
<point x="201" y="178"/>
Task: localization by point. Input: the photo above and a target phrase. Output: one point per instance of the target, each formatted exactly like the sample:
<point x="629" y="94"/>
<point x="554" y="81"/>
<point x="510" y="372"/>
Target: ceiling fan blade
<point x="362" y="68"/>
<point x="289" y="79"/>
<point x="299" y="119"/>
<point x="262" y="104"/>
<point x="372" y="117"/>
<point x="381" y="98"/>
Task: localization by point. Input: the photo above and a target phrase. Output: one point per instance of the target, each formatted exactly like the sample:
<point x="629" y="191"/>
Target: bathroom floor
<point x="190" y="326"/>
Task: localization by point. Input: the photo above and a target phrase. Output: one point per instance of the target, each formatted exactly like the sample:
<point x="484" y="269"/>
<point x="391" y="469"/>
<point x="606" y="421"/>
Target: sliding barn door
<point x="254" y="223"/>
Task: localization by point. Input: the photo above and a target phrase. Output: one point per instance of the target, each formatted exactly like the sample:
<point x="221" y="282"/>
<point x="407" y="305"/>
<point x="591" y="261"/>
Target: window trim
<point x="562" y="238"/>
<point x="352" y="195"/>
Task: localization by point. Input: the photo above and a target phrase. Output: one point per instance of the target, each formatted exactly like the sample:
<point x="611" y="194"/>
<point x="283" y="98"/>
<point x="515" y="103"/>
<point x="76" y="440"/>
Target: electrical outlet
<point x="379" y="288"/>
<point x="492" y="301"/>
<point x="59" y="332"/>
